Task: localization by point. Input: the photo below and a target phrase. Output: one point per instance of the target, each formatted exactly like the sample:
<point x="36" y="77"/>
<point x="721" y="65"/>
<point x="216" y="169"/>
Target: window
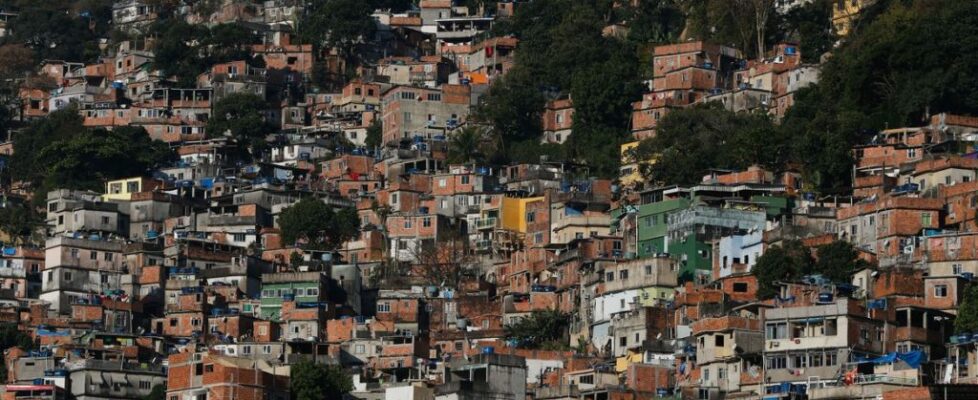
<point x="776" y="362"/>
<point x="93" y="255"/>
<point x="831" y="327"/>
<point x="799" y="361"/>
<point x="108" y="257"/>
<point x="722" y="373"/>
<point x="956" y="269"/>
<point x="407" y="223"/>
<point x="434" y="96"/>
<point x="173" y="322"/>
<point x="426" y="222"/>
<point x="623" y="341"/>
<point x="144" y="385"/>
<point x="776" y="331"/>
<point x="266" y="349"/>
<point x="312" y="292"/>
<point x="587" y="379"/>
<point x="407" y="96"/>
<point x="74" y="252"/>
<point x="383" y="307"/>
<point x="623" y="274"/>
<point x="465" y="179"/>
<point x="925" y="219"/>
<point x="67" y="276"/>
<point x="132" y="187"/>
<point x="815" y="360"/>
<point x="239" y="237"/>
<point x="360" y="349"/>
<point x="740" y="287"/>
<point x="719" y="340"/>
<point x="531" y="216"/>
<point x="610" y="276"/>
<point x="940" y="290"/>
<point x="459" y="346"/>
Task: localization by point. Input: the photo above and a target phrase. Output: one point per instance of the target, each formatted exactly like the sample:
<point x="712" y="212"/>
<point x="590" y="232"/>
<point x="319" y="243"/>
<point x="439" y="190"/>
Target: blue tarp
<point x="913" y="358"/>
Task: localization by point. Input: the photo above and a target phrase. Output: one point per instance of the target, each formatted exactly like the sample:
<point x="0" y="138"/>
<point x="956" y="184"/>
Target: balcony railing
<point x="487" y="223"/>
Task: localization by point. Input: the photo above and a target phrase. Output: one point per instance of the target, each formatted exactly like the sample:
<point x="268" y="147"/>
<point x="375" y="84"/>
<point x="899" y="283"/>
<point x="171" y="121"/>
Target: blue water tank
<point x="825" y="297"/>
<point x="488" y="350"/>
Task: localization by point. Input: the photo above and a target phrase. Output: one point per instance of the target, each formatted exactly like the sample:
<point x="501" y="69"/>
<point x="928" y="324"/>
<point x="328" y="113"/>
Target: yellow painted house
<point x="633" y="357"/>
<point x="123" y="189"/>
<point x="651" y="296"/>
<point x="845" y="12"/>
<point x="630" y="172"/>
<point x="513" y="212"/>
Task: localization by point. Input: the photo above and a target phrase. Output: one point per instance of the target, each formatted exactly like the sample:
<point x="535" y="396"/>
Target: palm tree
<point x="464" y="146"/>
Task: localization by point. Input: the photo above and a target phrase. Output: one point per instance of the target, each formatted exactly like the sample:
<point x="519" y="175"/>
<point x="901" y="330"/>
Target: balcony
<point x="486" y="223"/>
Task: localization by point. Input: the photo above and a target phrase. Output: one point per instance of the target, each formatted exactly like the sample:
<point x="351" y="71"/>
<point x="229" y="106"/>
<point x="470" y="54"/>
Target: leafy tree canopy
<point x="242" y="116"/>
<point x="59" y="29"/>
<point x="186" y="50"/>
<point x="88" y="159"/>
<point x="967" y="318"/>
<point x="311" y="381"/>
<point x="891" y="72"/>
<point x="690" y="141"/>
<point x="317" y="225"/>
<point x="562" y="52"/>
<point x="538" y="329"/>
<point x="781" y="263"/>
<point x="375" y="135"/>
<point x="838" y="260"/>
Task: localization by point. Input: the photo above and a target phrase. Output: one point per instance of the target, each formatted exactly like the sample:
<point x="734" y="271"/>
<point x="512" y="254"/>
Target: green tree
<point x="655" y="21"/>
<point x="240" y="115"/>
<point x="180" y="49"/>
<point x="781" y="263"/>
<point x="26" y="163"/>
<point x="838" y="260"/>
<point x="230" y="42"/>
<point x="60" y="29"/>
<point x="19" y="221"/>
<point x="690" y="141"/>
<point x="339" y="23"/>
<point x="311" y="381"/>
<point x="465" y="145"/>
<point x="317" y="225"/>
<point x="158" y="393"/>
<point x="809" y="25"/>
<point x="513" y="106"/>
<point x="539" y="329"/>
<point x="891" y="72"/>
<point x="87" y="159"/>
<point x="10" y="336"/>
<point x="967" y="318"/>
<point x="375" y="135"/>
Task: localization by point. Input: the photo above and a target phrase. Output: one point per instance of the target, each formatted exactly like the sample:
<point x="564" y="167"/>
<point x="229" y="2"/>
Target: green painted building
<point x="693" y="251"/>
<point x="301" y="287"/>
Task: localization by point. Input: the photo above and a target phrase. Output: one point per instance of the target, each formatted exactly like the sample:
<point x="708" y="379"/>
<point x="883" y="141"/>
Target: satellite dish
<point x="754" y="371"/>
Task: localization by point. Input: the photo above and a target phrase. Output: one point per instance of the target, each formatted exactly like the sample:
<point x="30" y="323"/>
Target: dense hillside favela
<point x="475" y="199"/>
